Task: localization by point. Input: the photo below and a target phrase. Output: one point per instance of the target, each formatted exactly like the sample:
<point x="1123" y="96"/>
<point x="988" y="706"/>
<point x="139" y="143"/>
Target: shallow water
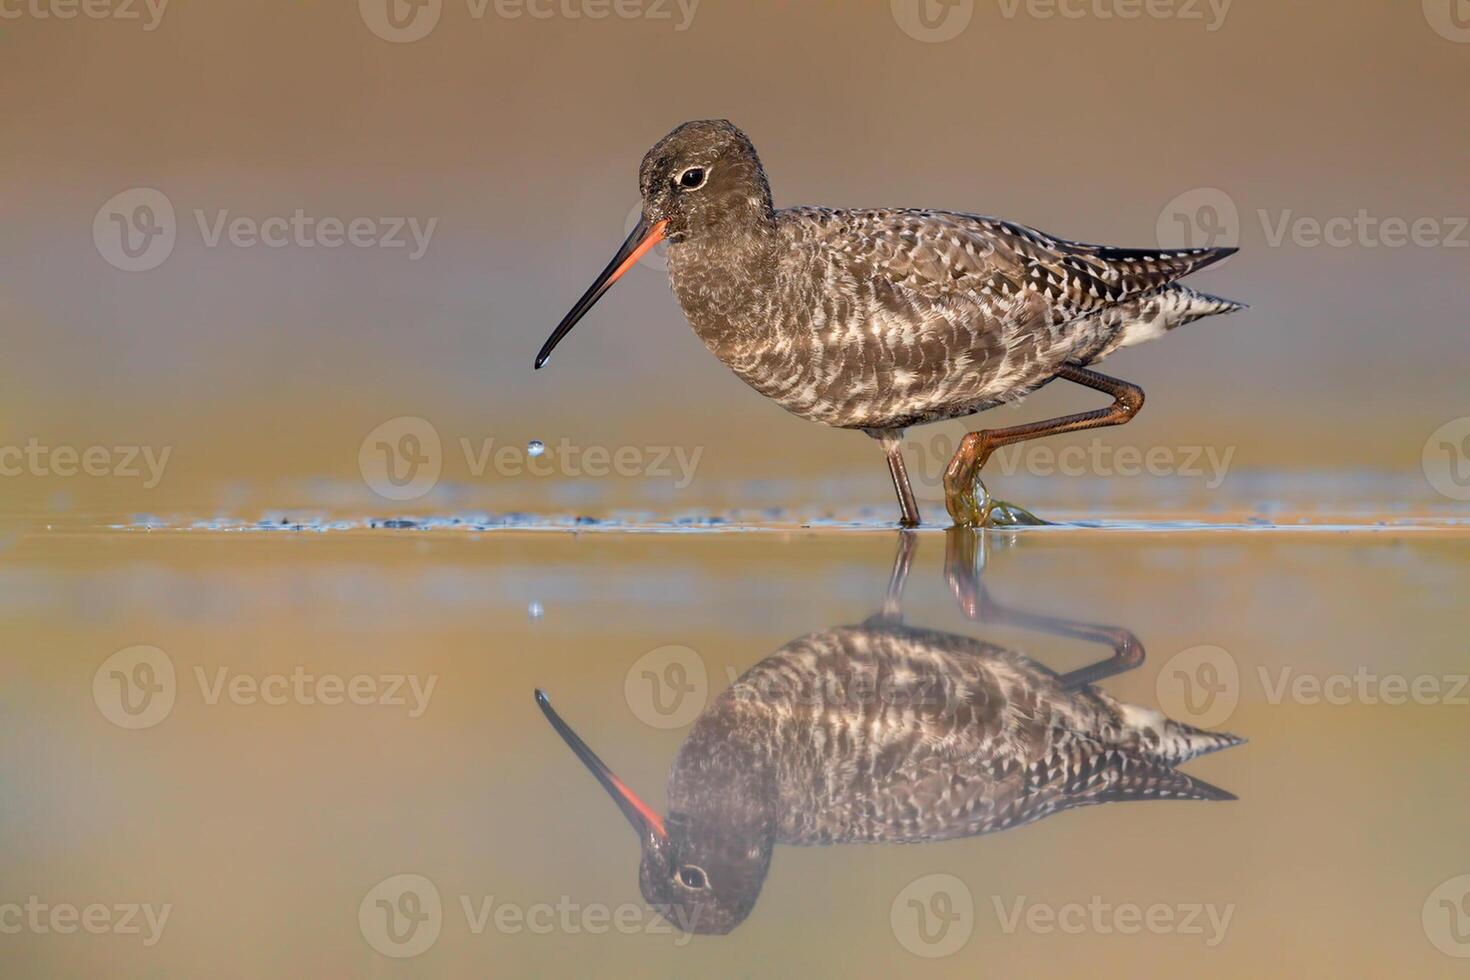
<point x="274" y="833"/>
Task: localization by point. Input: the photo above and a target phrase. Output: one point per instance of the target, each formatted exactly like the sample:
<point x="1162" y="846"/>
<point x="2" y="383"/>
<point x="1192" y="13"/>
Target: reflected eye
<point x="692" y="179"/>
<point x="692" y="876"/>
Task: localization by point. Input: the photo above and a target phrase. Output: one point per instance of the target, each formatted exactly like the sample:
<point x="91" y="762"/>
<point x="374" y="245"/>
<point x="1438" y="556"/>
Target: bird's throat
<point x="726" y="282"/>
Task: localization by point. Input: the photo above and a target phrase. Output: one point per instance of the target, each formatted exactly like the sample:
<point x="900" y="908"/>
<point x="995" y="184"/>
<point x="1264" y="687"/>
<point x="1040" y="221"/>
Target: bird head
<point x="700" y="875"/>
<point x="702" y="180"/>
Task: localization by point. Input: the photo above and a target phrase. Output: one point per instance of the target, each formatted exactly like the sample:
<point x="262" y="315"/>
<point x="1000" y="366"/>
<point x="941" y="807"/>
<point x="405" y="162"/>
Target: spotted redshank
<point x="881" y="319"/>
<point x="885" y="733"/>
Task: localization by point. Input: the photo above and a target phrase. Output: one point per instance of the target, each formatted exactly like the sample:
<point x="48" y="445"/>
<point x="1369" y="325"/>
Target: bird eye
<point x="692" y="876"/>
<point x="692" y="179"/>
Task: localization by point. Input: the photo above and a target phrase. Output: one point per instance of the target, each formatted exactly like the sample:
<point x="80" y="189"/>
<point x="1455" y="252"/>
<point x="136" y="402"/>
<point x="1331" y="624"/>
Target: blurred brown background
<point x="522" y="134"/>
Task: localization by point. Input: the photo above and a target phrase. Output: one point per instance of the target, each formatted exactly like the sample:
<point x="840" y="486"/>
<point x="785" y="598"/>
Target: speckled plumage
<point x="887" y="733"/>
<point x="880" y="319"/>
<point x="884" y="733"/>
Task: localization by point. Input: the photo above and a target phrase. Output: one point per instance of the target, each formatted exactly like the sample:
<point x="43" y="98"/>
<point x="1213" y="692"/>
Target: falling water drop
<point x="535" y="447"/>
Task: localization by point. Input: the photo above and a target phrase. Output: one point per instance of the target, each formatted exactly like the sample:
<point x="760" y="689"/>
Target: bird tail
<point x="1197" y="305"/>
<point x="1138" y="271"/>
<point x="1169" y="741"/>
<point x="1134" y="778"/>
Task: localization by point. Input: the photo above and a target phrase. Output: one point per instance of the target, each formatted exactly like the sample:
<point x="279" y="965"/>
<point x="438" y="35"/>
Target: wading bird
<point x="881" y="319"/>
<point x="885" y="733"/>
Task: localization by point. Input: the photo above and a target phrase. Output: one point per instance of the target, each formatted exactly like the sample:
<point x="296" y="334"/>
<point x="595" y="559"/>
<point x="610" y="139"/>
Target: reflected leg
<point x="962" y="566"/>
<point x="902" y="561"/>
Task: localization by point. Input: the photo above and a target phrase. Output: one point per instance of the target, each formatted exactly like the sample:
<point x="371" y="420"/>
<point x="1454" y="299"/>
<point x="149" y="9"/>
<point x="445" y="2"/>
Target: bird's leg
<point x="962" y="570"/>
<point x="962" y="476"/>
<point x="892" y="440"/>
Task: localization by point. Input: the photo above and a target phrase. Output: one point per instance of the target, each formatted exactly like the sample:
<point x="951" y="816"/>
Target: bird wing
<point x="991" y="795"/>
<point x="940" y="254"/>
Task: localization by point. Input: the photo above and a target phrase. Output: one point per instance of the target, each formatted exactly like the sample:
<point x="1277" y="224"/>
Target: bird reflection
<point x="888" y="733"/>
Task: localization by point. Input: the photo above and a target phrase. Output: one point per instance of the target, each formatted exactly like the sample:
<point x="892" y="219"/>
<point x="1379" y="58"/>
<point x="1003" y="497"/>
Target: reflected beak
<point x="644" y="818"/>
<point x="643" y="238"/>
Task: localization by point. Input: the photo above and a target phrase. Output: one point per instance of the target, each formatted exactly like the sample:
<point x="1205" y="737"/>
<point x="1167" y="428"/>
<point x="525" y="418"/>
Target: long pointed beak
<point x="644" y="818"/>
<point x="643" y="238"/>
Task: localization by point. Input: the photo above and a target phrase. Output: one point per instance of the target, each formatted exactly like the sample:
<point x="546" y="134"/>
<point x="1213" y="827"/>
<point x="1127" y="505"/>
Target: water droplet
<point x="535" y="610"/>
<point x="535" y="447"/>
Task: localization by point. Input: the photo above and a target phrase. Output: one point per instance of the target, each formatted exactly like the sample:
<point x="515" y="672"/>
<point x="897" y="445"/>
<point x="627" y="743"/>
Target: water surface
<point x="352" y="707"/>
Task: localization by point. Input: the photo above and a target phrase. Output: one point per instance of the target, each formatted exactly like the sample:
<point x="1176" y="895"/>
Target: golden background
<point x="522" y="137"/>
